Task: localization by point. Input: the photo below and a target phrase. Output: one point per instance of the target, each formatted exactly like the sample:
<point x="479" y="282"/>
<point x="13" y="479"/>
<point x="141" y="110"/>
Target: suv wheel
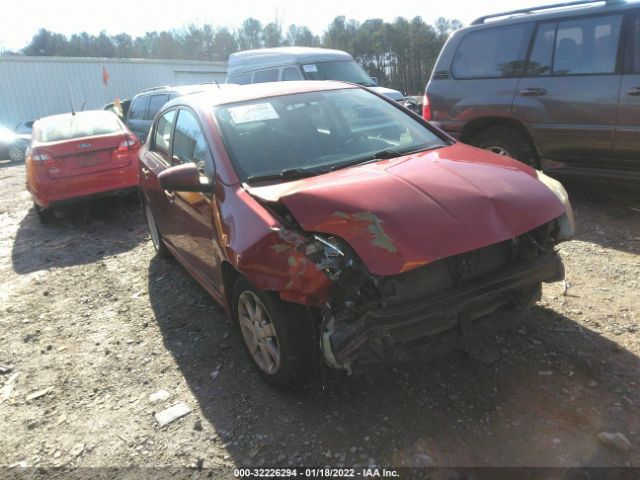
<point x="507" y="141"/>
<point x="277" y="335"/>
<point x="161" y="249"/>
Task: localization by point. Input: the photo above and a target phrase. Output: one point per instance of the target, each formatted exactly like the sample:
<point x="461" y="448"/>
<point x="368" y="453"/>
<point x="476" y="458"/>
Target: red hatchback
<point x="75" y="156"/>
<point x="336" y="226"/>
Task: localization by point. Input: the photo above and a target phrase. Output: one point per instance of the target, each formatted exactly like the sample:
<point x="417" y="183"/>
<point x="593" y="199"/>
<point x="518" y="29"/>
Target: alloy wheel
<point x="258" y="332"/>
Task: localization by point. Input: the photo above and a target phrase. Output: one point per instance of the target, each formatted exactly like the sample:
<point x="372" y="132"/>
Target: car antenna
<point x="82" y="107"/>
<point x="73" y="112"/>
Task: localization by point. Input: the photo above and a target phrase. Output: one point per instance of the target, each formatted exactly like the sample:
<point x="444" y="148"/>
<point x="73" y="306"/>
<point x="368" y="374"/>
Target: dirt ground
<point x="94" y="323"/>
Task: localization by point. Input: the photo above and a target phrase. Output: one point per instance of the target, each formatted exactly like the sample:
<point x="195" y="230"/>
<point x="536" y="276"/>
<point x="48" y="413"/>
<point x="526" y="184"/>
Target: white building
<point x="34" y="87"/>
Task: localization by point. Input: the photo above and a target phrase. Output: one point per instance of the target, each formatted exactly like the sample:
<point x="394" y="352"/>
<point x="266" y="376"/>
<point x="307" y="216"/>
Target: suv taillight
<point x="426" y="108"/>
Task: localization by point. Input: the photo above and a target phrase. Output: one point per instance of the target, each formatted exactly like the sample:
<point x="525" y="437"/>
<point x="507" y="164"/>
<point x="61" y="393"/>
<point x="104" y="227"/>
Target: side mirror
<point x="185" y="178"/>
<point x="374" y="80"/>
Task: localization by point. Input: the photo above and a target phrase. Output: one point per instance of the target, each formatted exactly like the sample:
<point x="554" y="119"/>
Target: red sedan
<point x="81" y="155"/>
<point x="337" y="227"/>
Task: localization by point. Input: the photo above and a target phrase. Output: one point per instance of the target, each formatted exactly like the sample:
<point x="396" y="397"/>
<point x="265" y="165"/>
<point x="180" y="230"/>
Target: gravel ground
<point x="92" y="324"/>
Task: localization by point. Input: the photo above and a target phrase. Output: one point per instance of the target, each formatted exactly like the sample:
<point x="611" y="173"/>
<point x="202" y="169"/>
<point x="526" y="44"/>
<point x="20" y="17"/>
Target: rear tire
<point x="507" y="141"/>
<point x="45" y="215"/>
<point x="279" y="342"/>
<point x="156" y="239"/>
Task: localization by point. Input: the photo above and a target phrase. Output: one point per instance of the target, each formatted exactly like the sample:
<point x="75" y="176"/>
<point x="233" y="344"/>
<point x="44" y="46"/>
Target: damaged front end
<point x="431" y="309"/>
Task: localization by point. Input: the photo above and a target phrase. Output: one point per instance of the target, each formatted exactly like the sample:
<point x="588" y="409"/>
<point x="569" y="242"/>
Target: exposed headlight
<point x="566" y="221"/>
<point x="327" y="255"/>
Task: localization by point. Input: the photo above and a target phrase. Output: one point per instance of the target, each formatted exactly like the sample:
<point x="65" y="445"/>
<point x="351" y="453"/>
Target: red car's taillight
<point x="426" y="108"/>
<point x="129" y="143"/>
<point x="41" y="158"/>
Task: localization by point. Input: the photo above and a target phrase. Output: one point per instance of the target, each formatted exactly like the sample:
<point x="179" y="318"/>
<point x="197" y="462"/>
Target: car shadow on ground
<point x="7" y="163"/>
<point x="605" y="205"/>
<point x="91" y="230"/>
<point x="531" y="396"/>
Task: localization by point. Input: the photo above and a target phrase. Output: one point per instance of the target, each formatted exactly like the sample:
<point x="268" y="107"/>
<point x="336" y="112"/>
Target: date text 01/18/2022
<point x="366" y="472"/>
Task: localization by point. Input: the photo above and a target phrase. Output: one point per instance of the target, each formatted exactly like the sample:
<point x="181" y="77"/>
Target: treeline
<point x="400" y="53"/>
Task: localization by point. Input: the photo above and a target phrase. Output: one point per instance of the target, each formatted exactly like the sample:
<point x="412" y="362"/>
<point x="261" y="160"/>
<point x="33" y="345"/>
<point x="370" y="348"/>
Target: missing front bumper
<point x="431" y="326"/>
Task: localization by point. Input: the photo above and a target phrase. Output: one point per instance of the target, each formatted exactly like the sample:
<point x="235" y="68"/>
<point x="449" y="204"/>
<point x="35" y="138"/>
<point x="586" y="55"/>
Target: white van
<point x="300" y="63"/>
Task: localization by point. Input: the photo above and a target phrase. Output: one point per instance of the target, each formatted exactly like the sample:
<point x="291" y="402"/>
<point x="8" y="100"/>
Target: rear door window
<point x="492" y="53"/>
<point x="138" y="109"/>
<point x="587" y="45"/>
<point x="264" y="76"/>
<point x="243" y="79"/>
<point x="189" y="143"/>
<point x="162" y="134"/>
<point x="633" y="50"/>
<point x="290" y="74"/>
<point x="155" y="104"/>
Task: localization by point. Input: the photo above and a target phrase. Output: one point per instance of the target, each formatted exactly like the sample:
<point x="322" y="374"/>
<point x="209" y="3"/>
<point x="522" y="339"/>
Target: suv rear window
<point x="155" y="104"/>
<point x="587" y="46"/>
<point x="82" y="124"/>
<point x="491" y="53"/>
<point x="138" y="109"/>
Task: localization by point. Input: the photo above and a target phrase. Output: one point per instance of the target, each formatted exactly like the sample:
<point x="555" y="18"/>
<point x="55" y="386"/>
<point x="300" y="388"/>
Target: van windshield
<point x="343" y="70"/>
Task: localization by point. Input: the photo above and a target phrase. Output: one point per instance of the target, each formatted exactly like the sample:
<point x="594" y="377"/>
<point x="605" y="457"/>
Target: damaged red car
<point x="337" y="227"/>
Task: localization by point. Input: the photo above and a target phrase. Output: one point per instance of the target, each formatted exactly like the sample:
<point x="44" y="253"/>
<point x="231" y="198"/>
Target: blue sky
<point x="136" y="17"/>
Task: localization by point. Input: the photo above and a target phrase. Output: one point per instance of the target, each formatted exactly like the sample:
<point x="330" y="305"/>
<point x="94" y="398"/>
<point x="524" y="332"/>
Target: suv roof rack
<point x="483" y="19"/>
<point x="155" y="88"/>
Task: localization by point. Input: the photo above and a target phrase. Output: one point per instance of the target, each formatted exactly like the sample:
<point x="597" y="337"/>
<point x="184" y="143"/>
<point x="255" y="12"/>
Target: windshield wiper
<point x="288" y="174"/>
<point x="385" y="154"/>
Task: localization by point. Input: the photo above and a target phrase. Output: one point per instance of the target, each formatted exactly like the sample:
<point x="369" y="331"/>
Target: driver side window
<point x="189" y="143"/>
<point x="162" y="134"/>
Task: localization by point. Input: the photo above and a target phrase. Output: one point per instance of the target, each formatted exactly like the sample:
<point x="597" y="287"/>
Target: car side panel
<point x="574" y="120"/>
<point x="454" y="103"/>
<point x="626" y="146"/>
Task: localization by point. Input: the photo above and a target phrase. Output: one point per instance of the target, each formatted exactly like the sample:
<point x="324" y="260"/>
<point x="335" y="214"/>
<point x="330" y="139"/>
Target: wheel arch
<point x="229" y="278"/>
<point x="476" y="125"/>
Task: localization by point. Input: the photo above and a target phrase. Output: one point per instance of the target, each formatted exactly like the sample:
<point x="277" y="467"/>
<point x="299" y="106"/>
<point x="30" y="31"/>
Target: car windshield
<point x="82" y="124"/>
<point x="343" y="70"/>
<point x="311" y="133"/>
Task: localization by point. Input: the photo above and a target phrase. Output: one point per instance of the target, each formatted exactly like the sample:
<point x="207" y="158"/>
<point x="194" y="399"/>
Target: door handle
<point x="533" y="92"/>
<point x="170" y="195"/>
<point x="145" y="171"/>
<point x="633" y="91"/>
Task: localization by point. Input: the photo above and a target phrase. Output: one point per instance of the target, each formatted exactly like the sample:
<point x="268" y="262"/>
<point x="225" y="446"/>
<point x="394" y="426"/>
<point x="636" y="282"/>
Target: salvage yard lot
<point x="94" y="323"/>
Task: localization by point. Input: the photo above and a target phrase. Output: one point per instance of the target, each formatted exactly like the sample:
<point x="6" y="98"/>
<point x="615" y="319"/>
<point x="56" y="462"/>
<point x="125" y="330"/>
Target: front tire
<point x="16" y="153"/>
<point x="161" y="249"/>
<point x="277" y="336"/>
<point x="507" y="141"/>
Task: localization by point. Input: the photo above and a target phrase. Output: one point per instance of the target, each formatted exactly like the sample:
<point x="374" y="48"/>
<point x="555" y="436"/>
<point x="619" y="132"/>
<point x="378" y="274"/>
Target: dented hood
<point x="406" y="212"/>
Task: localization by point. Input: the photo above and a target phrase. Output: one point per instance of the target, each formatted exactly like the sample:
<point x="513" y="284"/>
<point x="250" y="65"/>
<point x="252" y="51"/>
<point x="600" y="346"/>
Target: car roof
<point x="549" y="12"/>
<point x="180" y="89"/>
<point x="241" y="93"/>
<point x="249" y="60"/>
